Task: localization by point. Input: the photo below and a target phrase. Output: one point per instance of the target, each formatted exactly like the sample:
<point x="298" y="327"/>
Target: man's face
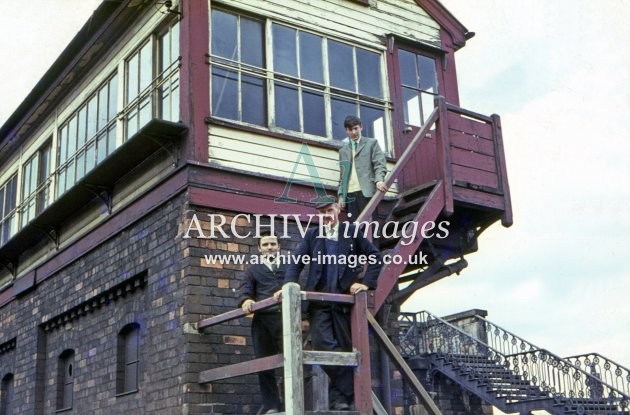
<point x="268" y="246"/>
<point x="354" y="132"/>
<point x="329" y="214"/>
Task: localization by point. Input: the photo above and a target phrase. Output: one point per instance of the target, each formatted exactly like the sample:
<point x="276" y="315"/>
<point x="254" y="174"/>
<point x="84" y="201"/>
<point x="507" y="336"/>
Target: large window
<point x="6" y="395"/>
<point x="419" y="85"/>
<point x="128" y="359"/>
<point x="313" y="82"/>
<point x="36" y="183"/>
<point x="88" y="136"/>
<point x="8" y="214"/>
<point x="138" y="96"/>
<point x="169" y="75"/>
<point x="65" y="380"/>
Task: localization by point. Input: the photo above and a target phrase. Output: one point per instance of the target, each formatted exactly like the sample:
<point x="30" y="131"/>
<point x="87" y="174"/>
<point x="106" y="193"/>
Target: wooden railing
<point x="294" y="357"/>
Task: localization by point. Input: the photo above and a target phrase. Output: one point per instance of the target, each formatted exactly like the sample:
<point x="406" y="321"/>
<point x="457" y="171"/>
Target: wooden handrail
<point x="398" y="167"/>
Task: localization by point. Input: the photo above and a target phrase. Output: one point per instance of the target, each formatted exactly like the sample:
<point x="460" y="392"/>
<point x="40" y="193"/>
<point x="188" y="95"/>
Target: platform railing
<point x="294" y="357"/>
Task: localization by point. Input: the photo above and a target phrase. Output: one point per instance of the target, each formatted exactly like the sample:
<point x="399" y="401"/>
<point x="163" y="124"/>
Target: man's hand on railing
<point x="357" y="287"/>
<point x="381" y="186"/>
<point x="277" y="295"/>
<point x="247" y="305"/>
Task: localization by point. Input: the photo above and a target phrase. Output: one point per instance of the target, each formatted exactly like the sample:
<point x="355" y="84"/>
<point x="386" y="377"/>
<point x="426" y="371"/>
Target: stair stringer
<point x="388" y="278"/>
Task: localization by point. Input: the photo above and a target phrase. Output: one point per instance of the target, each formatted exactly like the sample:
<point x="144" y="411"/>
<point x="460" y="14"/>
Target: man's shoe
<point x="340" y="406"/>
<point x="271" y="411"/>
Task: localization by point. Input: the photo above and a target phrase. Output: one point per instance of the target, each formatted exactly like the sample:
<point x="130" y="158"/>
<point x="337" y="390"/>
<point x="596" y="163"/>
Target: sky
<point x="557" y="72"/>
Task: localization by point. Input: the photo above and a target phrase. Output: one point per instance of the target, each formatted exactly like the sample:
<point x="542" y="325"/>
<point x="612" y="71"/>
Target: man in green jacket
<point x="362" y="169"/>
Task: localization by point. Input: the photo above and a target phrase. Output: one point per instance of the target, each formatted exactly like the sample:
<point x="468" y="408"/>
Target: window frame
<point x="329" y="91"/>
<point x="7" y="394"/>
<point x="129" y="333"/>
<point x="401" y="131"/>
<point x="65" y="381"/>
<point x="11" y="217"/>
<point x="43" y="191"/>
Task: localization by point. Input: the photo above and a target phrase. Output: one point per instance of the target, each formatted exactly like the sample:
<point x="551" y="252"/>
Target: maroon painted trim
<point x="220" y="199"/>
<point x="449" y="69"/>
<point x="446" y="20"/>
<point x="24" y="283"/>
<point x="113" y="225"/>
<point x="195" y="77"/>
<point x="243" y="191"/>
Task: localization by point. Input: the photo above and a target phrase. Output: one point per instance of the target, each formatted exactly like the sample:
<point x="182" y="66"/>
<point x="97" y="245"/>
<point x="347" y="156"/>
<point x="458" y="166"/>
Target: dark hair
<point x="351" y="121"/>
<point x="265" y="234"/>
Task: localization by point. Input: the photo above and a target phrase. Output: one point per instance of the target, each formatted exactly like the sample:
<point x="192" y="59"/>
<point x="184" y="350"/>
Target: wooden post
<point x="361" y="343"/>
<point x="292" y="343"/>
<point x="444" y="155"/>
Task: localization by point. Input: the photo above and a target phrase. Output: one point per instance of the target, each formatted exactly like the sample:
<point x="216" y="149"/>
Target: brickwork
<point x="133" y="277"/>
<point x="211" y="289"/>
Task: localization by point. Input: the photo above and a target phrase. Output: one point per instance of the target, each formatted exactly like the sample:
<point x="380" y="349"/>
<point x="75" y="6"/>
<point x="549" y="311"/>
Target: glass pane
<point x="90" y="157"/>
<point x="314" y="113"/>
<point x="72" y="136"/>
<point x="113" y="99"/>
<point x="132" y="78"/>
<point x="70" y="175"/>
<point x="165" y="51"/>
<point x="428" y="103"/>
<point x="102" y="108"/>
<point x="131" y="346"/>
<point x="428" y="75"/>
<point x="340" y="109"/>
<point x="223" y="42"/>
<point x="131" y="377"/>
<point x="284" y="52"/>
<point x="407" y="64"/>
<point x="80" y="165"/>
<point x="63" y="147"/>
<point x="224" y="93"/>
<point x="174" y="42"/>
<point x="287" y="109"/>
<point x="311" y="66"/>
<point x="101" y="147"/>
<point x="67" y="395"/>
<point x="61" y="182"/>
<point x="2" y="202"/>
<point x="340" y="65"/>
<point x="411" y="107"/>
<point x="81" y="127"/>
<point x="146" y="66"/>
<point x="254" y="102"/>
<point x="369" y="73"/>
<point x="11" y="194"/>
<point x="373" y="120"/>
<point x="27" y="179"/>
<point x="252" y="44"/>
<point x="111" y="139"/>
<point x="92" y="116"/>
<point x="145" y="112"/>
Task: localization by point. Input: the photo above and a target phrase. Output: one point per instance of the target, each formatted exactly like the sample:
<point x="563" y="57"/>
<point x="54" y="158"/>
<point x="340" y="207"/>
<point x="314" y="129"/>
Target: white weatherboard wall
<point x="339" y="19"/>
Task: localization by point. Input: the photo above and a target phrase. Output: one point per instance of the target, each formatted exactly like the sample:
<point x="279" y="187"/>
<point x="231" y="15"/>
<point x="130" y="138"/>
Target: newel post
<point x="292" y="343"/>
<point x="361" y="343"/>
<point x="444" y="154"/>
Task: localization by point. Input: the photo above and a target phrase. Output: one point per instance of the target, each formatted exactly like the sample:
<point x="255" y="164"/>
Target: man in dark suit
<point x="330" y="323"/>
<point x="362" y="169"/>
<point x="262" y="280"/>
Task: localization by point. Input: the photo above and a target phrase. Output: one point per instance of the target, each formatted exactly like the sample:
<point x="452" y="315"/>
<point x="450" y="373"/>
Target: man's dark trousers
<point x="266" y="329"/>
